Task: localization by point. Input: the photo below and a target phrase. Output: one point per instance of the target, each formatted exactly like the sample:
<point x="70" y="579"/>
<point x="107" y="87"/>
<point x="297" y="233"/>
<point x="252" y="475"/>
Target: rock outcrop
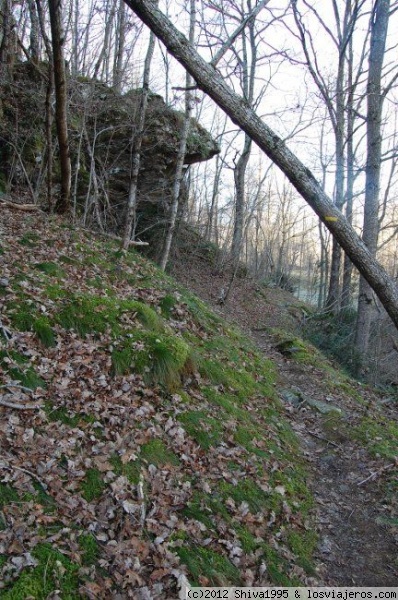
<point x="102" y="124"/>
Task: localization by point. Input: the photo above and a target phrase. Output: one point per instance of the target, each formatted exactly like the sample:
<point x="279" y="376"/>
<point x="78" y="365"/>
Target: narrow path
<point x="356" y="546"/>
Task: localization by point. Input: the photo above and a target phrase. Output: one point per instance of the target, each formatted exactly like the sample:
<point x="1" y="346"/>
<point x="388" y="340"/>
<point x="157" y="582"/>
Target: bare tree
<point x="303" y="180"/>
<point x="336" y="99"/>
<point x="181" y="150"/>
<point x="136" y="146"/>
<point x="378" y="36"/>
<point x="61" y="104"/>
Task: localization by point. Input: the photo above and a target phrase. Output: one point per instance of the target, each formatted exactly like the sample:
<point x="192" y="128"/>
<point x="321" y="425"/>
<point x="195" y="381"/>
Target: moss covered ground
<point x="156" y="431"/>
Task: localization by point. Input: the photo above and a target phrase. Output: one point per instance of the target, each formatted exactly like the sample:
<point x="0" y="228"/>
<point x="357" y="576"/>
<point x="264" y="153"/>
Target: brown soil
<point x="356" y="520"/>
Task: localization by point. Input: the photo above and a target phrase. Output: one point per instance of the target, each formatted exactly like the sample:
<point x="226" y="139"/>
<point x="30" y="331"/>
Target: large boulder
<point x="102" y="125"/>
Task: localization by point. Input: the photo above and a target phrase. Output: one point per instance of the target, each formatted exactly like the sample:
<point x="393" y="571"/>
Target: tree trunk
<point x="61" y="115"/>
<point x="181" y="151"/>
<point x="379" y="26"/>
<point x="212" y="83"/>
<point x="136" y="147"/>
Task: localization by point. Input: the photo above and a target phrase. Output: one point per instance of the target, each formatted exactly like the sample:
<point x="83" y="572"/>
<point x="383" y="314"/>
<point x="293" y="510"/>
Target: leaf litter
<point x="101" y="480"/>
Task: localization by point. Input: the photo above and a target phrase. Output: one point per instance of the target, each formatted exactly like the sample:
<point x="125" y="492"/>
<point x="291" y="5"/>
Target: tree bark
<point x="212" y="83"/>
<point x="179" y="173"/>
<point x="136" y="148"/>
<point x="379" y="26"/>
<point x="61" y="114"/>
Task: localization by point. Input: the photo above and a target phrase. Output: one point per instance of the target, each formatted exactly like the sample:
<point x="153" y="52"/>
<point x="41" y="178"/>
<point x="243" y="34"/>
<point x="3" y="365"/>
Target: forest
<point x="244" y="151"/>
<point x="337" y="114"/>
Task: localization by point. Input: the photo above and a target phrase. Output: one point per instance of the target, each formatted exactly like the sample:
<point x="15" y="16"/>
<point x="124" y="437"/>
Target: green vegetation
<point x="93" y="485"/>
<point x="206" y="563"/>
<point x="205" y="430"/>
<point x="53" y="571"/>
<point x="50" y="268"/>
<point x="90" y="548"/>
<point x="155" y="452"/>
<point x="173" y="361"/>
<point x="130" y="469"/>
<point x="160" y="357"/>
<point x="30" y="239"/>
<point x="334" y="336"/>
<point x="380" y="436"/>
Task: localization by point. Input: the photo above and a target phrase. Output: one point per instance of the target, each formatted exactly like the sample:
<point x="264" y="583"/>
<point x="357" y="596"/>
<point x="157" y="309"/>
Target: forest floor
<point x="147" y="442"/>
<point x="354" y="471"/>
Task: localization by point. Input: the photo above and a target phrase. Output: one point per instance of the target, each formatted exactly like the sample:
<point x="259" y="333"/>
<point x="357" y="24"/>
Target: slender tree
<point x="61" y="103"/>
<point x="179" y="172"/>
<point x="378" y="36"/>
<point x="136" y="146"/>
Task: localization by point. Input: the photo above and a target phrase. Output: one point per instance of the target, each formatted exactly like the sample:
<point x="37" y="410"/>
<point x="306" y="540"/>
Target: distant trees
<point x="303" y="180"/>
<point x="338" y="117"/>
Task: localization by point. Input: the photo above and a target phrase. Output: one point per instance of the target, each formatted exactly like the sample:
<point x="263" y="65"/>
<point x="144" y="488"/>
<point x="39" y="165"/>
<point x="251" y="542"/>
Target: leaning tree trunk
<point x="211" y="82"/>
<point x="61" y="101"/>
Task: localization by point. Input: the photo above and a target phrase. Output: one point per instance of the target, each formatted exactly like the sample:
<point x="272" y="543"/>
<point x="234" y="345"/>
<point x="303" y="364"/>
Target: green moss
<point x="228" y="402"/>
<point x="303" y="545"/>
<point x="22" y="315"/>
<point x="245" y="436"/>
<point x="166" y="304"/>
<point x="248" y="491"/>
<point x="53" y="572"/>
<point x="7" y="495"/>
<point x="68" y="260"/>
<point x="30" y="239"/>
<point x="89" y="547"/>
<point x="246" y="538"/>
<point x="50" y="268"/>
<point x="205" y="430"/>
<point x="44" y="332"/>
<point x="89" y="314"/>
<point x="62" y="414"/>
<point x="27" y="377"/>
<point x="131" y="469"/>
<point x="197" y="509"/>
<point x="155" y="452"/>
<point x="278" y="568"/>
<point x="93" y="485"/>
<point x="161" y="358"/>
<point x="207" y="563"/>
<point x="54" y="291"/>
<point x="145" y="314"/>
<point x="380" y="436"/>
<point x="234" y="379"/>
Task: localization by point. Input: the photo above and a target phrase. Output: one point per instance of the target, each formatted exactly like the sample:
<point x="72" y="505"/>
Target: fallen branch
<point x="5" y="331"/>
<point x="141" y="498"/>
<point x="377" y="473"/>
<point x="24" y="207"/>
<point x="113" y="236"/>
<point x="33" y="475"/>
<point x="17" y="405"/>
<point x="319" y="437"/>
<point x="15" y="385"/>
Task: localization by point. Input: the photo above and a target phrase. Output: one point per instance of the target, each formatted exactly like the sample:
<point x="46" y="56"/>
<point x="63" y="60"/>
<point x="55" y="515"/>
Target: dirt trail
<point x="357" y="546"/>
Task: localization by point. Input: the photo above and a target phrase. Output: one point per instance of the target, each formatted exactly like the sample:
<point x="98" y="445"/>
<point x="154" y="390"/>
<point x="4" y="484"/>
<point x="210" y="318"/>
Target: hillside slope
<point x="144" y="438"/>
<point x="348" y="431"/>
<point x="141" y="435"/>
